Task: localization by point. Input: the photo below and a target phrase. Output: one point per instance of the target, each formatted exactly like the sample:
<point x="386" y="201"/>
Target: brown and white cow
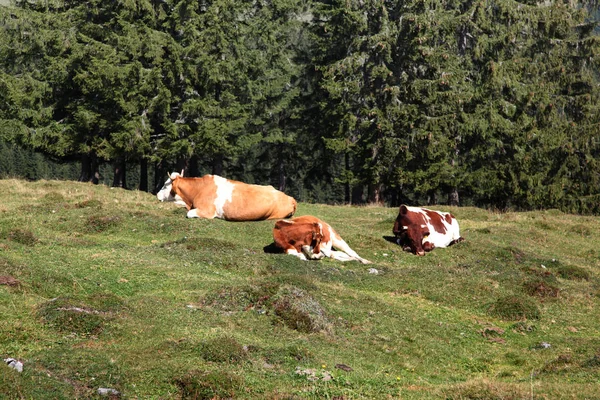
<point x="213" y="196"/>
<point x="420" y="229"/>
<point x="310" y="238"/>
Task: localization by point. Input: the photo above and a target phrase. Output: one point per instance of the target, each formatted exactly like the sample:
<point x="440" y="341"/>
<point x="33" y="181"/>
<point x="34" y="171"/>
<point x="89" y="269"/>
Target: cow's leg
<point x="339" y="244"/>
<point x="309" y="253"/>
<point x="341" y="256"/>
<point x="294" y="252"/>
<point x="196" y="213"/>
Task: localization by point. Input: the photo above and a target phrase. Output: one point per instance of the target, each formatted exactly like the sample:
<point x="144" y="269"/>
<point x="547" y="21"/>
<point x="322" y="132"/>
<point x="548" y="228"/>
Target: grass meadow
<point x="107" y="288"/>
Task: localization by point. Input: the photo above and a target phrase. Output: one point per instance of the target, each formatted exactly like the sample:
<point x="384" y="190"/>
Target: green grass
<point x="118" y="290"/>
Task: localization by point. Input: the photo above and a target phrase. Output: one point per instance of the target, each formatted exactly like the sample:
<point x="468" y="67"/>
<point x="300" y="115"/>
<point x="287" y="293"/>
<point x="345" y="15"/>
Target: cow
<point x="213" y="196"/>
<point x="420" y="230"/>
<point x="310" y="238"/>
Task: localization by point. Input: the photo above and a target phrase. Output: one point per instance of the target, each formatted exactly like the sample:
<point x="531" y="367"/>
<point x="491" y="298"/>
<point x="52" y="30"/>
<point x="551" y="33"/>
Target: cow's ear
<point x="403" y="209"/>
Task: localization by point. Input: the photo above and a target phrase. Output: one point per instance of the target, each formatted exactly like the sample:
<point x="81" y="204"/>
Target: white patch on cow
<point x="224" y="195"/>
<point x="443" y="239"/>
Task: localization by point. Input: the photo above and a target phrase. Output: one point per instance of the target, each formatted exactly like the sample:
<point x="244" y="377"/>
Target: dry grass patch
<point x="485" y="389"/>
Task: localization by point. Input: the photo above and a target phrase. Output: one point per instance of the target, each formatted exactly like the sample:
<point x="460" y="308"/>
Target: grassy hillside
<point x="105" y="288"/>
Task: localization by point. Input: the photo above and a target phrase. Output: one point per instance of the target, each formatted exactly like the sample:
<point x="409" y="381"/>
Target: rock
<point x="14" y="364"/>
<point x="344" y="367"/>
<point x="108" y="392"/>
<point x="9" y="281"/>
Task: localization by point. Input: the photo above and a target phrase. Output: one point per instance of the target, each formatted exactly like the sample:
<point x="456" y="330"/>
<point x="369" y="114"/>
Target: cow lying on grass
<point x="212" y="196"/>
<point x="309" y="238"/>
<point x="419" y="229"/>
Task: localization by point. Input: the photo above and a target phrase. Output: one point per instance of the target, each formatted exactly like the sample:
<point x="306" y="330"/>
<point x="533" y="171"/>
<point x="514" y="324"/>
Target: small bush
<point x="65" y="315"/>
<point x="200" y="385"/>
<point x="222" y="349"/>
<point x="515" y="308"/>
<point x="83" y="318"/>
<point x="22" y="236"/>
<point x="560" y="363"/>
<point x="573" y="272"/>
<point x="543" y="273"/>
<point x="242" y="298"/>
<point x="523" y="327"/>
<point x="97" y="224"/>
<point x="300" y="311"/>
<point x="206" y="244"/>
<point x="293" y="353"/>
<point x="593" y="362"/>
<point x="580" y="229"/>
<point x="53" y="197"/>
<point x="540" y="288"/>
<point x="95" y="204"/>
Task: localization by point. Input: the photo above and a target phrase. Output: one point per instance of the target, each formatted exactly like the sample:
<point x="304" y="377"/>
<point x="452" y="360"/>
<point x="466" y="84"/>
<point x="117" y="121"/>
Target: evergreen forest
<point x="488" y="103"/>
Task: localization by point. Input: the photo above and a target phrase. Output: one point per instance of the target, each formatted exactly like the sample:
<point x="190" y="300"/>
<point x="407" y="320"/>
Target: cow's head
<point x="314" y="236"/>
<point x="167" y="193"/>
<point x="412" y="231"/>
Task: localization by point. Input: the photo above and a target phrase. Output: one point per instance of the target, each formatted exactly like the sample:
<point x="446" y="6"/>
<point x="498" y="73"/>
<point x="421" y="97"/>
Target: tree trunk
<point x="431" y="198"/>
<point x="192" y="168"/>
<point x="357" y="194"/>
<point x="347" y="194"/>
<point x="181" y="166"/>
<point x="281" y="168"/>
<point x="89" y="169"/>
<point x="86" y="168"/>
<point x="143" y="175"/>
<point x="453" y="197"/>
<point x="374" y="193"/>
<point x="218" y="165"/>
<point x="119" y="174"/>
<point x="160" y="176"/>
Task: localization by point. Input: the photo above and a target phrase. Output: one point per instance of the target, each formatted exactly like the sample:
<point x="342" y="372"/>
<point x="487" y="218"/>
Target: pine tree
<point x="359" y="91"/>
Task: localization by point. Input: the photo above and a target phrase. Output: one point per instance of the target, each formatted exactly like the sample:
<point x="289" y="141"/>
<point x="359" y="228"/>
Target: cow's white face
<point x="165" y="194"/>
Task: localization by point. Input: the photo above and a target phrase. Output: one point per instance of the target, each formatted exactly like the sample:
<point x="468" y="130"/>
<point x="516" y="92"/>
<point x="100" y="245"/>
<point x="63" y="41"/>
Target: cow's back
<point x="256" y="202"/>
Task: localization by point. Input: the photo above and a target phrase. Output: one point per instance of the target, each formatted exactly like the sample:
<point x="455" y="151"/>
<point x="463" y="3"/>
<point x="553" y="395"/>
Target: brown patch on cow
<point x="9" y="281"/>
<point x="435" y="220"/>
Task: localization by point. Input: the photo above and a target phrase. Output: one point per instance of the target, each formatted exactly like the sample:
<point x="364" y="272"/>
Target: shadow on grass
<point x="272" y="249"/>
